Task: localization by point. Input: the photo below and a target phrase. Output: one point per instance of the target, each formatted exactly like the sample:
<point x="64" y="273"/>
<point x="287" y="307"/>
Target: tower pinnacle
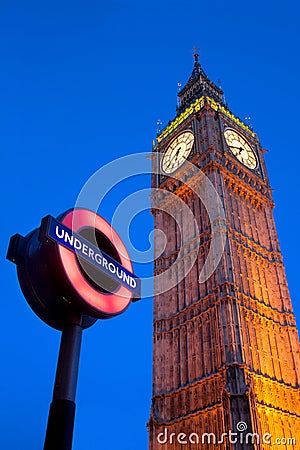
<point x="196" y="53"/>
<point x="197" y="85"/>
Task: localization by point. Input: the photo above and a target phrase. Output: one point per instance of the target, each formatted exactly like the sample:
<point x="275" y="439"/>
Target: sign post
<point x="59" y="434"/>
<point x="72" y="270"/>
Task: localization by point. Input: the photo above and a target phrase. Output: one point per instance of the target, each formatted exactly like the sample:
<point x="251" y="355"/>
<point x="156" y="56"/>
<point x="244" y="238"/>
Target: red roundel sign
<point x="110" y="303"/>
<point x="74" y="263"/>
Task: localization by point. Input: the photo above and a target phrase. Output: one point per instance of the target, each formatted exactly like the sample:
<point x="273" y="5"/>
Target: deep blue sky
<point x="83" y="83"/>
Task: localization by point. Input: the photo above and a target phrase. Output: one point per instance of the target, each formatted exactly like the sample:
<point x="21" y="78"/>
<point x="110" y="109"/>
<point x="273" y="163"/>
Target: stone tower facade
<point x="226" y="354"/>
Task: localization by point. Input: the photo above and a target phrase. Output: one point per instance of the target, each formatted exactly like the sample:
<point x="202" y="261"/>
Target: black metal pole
<point x="59" y="434"/>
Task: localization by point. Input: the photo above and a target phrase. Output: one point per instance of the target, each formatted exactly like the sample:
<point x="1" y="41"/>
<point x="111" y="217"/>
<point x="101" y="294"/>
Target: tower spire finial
<point x="196" y="53"/>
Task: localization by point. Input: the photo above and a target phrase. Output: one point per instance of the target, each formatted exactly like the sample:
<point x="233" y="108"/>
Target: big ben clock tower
<point x="226" y="355"/>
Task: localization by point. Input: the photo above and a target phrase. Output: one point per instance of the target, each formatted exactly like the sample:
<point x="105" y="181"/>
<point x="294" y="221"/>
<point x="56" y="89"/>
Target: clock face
<point x="240" y="148"/>
<point x="177" y="152"/>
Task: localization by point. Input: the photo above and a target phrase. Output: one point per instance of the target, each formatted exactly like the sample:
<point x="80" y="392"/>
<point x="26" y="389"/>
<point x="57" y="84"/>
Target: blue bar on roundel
<point x="57" y="232"/>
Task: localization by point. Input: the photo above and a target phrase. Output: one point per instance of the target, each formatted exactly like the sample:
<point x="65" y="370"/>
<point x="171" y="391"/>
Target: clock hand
<point x="171" y="163"/>
<point x="177" y="152"/>
<point x="239" y="148"/>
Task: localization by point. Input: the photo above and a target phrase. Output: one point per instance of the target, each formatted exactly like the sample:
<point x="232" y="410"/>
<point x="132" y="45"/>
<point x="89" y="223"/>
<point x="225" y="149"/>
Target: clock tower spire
<point x="197" y="85"/>
<point x="226" y="354"/>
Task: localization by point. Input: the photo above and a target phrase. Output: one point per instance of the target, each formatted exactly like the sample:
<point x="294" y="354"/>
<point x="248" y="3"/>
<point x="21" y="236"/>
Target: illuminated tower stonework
<point x="226" y="351"/>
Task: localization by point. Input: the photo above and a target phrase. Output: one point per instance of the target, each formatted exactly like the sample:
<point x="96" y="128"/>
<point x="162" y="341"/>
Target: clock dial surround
<point x="177" y="152"/>
<point x="240" y="148"/>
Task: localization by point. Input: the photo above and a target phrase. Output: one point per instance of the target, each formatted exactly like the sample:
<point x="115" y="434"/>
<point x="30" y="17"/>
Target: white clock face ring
<point x="177" y="152"/>
<point x="240" y="148"/>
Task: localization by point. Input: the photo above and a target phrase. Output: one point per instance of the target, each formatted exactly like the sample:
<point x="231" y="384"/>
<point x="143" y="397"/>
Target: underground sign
<point x="76" y="261"/>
